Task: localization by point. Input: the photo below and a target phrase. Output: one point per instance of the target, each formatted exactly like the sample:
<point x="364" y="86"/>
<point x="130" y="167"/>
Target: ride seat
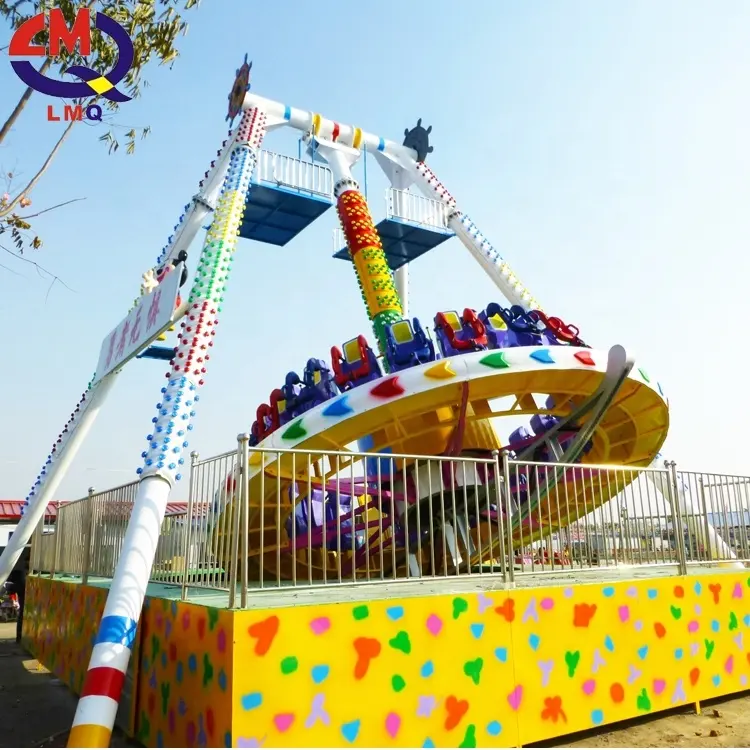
<point x="318" y="385"/>
<point x="460" y="335"/>
<point x="408" y="345"/>
<point x="497" y="329"/>
<point x="358" y="364"/>
<point x="522" y="329"/>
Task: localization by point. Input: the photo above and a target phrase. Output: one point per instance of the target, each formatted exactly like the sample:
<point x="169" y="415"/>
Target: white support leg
<point x="474" y="241"/>
<point x="717" y="547"/>
<point x="95" y="715"/>
<point x="54" y="471"/>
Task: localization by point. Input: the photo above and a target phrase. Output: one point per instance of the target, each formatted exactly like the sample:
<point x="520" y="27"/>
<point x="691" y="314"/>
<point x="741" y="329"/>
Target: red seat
<point x="352" y="367"/>
<point x="466" y="333"/>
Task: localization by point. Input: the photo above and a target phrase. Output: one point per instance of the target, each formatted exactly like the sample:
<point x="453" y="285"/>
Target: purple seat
<point x="522" y="330"/>
<point x="497" y="330"/>
<point x="322" y="525"/>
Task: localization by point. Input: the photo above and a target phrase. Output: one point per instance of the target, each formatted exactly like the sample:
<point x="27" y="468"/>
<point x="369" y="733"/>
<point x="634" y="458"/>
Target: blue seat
<point x="317" y="385"/>
<point x="291" y="389"/>
<point x="407" y="345"/>
<point x="522" y="330"/>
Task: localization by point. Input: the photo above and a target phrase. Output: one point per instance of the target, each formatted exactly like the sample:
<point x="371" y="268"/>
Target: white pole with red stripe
<point x="97" y="707"/>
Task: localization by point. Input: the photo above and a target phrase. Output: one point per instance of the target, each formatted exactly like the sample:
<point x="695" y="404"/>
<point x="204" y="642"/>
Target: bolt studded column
<point x="479" y="246"/>
<point x="94" y="719"/>
<point x="374" y="275"/>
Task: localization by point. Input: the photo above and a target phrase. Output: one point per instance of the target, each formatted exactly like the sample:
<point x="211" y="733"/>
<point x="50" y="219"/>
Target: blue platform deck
<point x="276" y="214"/>
<point x="404" y="242"/>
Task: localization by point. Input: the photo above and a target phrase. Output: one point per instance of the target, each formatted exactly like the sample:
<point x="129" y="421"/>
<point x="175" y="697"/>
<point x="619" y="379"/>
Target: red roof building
<point x="10" y="510"/>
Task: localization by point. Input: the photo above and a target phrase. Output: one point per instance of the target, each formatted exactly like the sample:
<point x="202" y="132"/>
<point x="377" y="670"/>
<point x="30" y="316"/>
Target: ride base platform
<point x="407" y="665"/>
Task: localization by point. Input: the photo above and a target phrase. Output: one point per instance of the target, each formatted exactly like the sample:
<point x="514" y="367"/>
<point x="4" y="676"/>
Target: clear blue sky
<point x="602" y="147"/>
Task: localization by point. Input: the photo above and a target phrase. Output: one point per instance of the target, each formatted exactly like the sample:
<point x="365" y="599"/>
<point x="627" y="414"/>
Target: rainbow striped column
<point x="479" y="246"/>
<point x="374" y="275"/>
<point x="94" y="719"/>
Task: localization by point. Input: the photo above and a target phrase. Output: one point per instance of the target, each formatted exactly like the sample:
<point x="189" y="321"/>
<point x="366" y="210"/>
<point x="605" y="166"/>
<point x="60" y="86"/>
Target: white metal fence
<point x="306" y="519"/>
<point x="407" y="206"/>
<point x="296" y="174"/>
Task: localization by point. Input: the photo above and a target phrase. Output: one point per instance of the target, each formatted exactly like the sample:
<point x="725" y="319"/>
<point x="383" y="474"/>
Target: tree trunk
<point x="22" y="103"/>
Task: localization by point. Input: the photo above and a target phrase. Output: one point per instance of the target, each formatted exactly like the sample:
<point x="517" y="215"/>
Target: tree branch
<point x="39" y="268"/>
<point x="38" y="176"/>
<point x="51" y="208"/>
<point x="22" y="102"/>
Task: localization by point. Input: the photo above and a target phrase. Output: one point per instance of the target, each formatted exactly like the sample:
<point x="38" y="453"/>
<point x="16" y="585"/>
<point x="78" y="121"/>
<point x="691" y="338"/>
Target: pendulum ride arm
<point x="475" y="242"/>
<point x="64" y="450"/>
<point x="95" y="715"/>
<point x="53" y="471"/>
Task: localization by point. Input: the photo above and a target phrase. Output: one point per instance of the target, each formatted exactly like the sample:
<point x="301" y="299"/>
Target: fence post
<point x="244" y="520"/>
<point x="188" y="535"/>
<point x="508" y="517"/>
<point x="58" y="538"/>
<point x="89" y="521"/>
<point x="709" y="551"/>
<point x="235" y="520"/>
<point x="677" y="522"/>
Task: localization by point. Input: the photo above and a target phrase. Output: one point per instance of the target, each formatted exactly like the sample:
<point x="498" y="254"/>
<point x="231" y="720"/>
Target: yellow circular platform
<point x="414" y="412"/>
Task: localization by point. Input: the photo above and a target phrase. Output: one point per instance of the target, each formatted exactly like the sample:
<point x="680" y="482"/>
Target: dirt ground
<point x="724" y="723"/>
<point x="36" y="708"/>
<point x="41" y="708"/>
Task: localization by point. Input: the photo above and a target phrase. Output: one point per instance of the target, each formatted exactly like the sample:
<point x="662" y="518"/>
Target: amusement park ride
<point x="401" y="391"/>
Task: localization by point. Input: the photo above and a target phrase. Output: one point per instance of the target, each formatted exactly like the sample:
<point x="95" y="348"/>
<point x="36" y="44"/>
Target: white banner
<point x="153" y="314"/>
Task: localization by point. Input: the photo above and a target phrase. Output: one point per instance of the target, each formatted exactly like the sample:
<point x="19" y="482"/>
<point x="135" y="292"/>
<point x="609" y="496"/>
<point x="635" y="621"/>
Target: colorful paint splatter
<point x="59" y="626"/>
<point x="185" y="676"/>
<point x="183" y="661"/>
<point x="481" y="669"/>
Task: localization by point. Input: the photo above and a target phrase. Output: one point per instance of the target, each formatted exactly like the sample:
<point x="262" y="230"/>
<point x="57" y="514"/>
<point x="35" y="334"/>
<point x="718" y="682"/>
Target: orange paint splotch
<point x="583" y="614"/>
<point x="715" y="589"/>
<point x="367" y="649"/>
<point x="455" y="710"/>
<point x="507" y="610"/>
<point x="264" y="633"/>
<point x="617" y="692"/>
<point x="553" y="710"/>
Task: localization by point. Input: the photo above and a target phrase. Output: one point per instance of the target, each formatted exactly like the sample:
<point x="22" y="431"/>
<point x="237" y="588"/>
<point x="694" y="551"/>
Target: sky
<point x="601" y="147"/>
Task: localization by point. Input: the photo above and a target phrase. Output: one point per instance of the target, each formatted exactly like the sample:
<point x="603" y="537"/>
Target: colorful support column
<point x="95" y="715"/>
<point x="374" y="275"/>
<point x="477" y="244"/>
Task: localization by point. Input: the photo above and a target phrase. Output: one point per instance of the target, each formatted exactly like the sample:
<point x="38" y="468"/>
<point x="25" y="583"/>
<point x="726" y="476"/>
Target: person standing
<point x="18" y="578"/>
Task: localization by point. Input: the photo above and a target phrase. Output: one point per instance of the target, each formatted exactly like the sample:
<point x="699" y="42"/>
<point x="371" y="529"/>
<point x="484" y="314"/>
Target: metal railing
<point x="261" y="519"/>
<point x="573" y="517"/>
<point x="407" y="206"/>
<point x="295" y="174"/>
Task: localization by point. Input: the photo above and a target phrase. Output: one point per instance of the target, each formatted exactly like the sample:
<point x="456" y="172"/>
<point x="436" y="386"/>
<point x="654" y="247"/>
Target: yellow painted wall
<point x="487" y="669"/>
<point x="183" y="659"/>
<point x="501" y="668"/>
